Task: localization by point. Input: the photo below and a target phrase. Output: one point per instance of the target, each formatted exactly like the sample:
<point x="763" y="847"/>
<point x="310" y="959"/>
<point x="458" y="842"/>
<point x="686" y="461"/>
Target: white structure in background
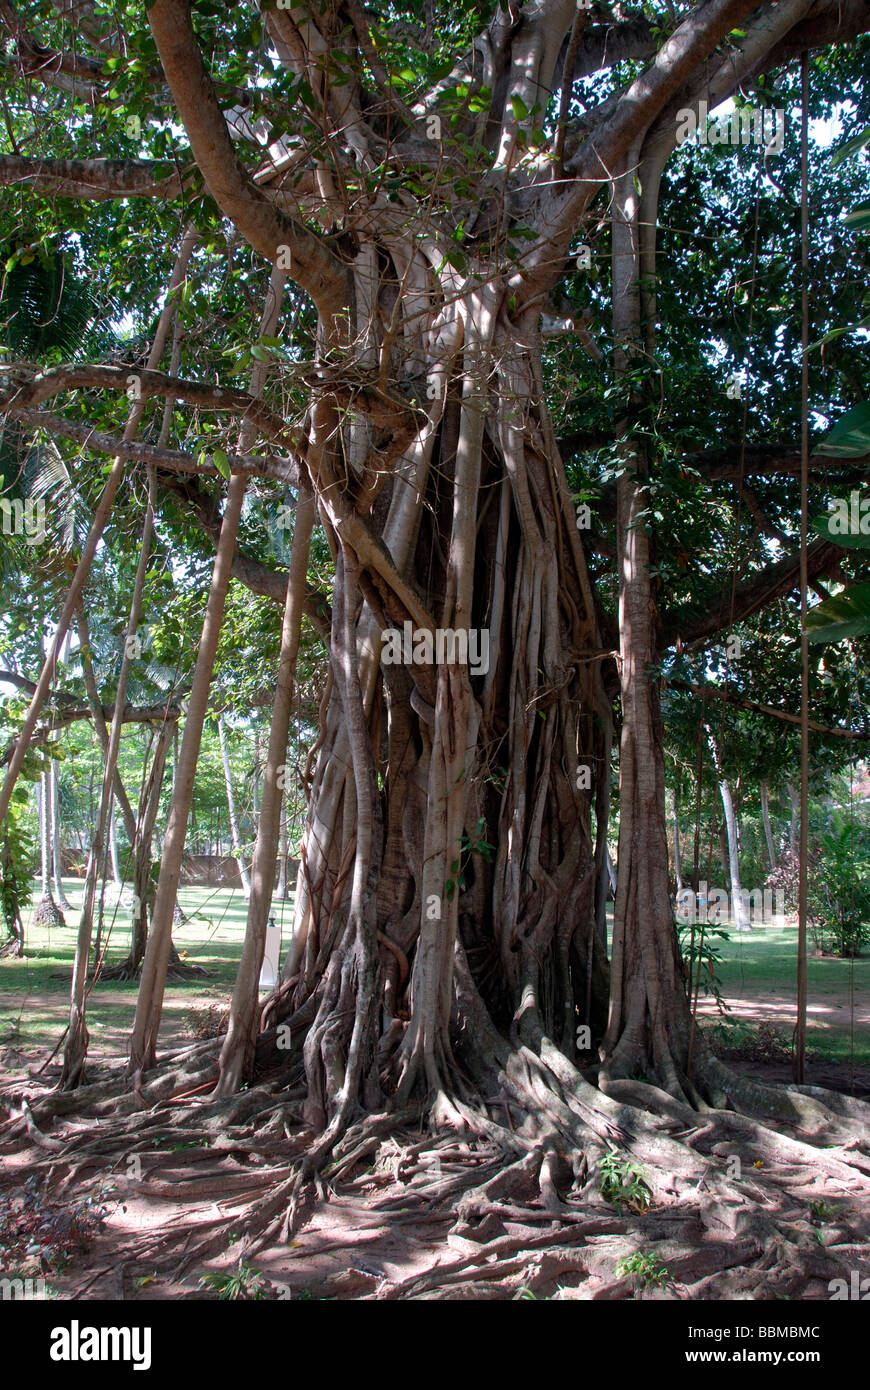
<point x="271" y="956"/>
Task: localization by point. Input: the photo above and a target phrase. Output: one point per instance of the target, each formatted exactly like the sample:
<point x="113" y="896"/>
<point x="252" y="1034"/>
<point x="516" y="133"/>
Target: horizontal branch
<point x="171" y="460"/>
<point x="688" y="625"/>
<point x="95" y="179"/>
<point x="730" y="697"/>
<point x="33" y="390"/>
<point x="28" y="687"/>
<point x="256" y="576"/>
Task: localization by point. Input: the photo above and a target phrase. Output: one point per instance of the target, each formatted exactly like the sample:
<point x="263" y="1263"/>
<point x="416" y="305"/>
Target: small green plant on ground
<point x="646" y="1269"/>
<point x="821" y="1212"/>
<point x="622" y="1183"/>
<point x="741" y="1042"/>
<point x="701" y="959"/>
<point x="244" y="1282"/>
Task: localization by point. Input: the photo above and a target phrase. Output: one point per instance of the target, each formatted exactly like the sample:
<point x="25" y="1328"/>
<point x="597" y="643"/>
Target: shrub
<point x="839" y="891"/>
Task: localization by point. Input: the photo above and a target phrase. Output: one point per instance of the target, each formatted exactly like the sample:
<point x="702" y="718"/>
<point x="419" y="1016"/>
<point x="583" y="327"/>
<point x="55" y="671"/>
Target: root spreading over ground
<point x="541" y="1185"/>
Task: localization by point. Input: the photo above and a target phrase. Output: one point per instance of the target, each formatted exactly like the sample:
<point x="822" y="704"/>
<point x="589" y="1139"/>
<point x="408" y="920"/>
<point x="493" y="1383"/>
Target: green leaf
<point x="847" y="615"/>
<point x="850" y="437"/>
<point x="839" y="632"/>
<point x="850" y="536"/>
<point x="857" y="142"/>
<point x="519" y="108"/>
<point x="859" y="218"/>
<point x="221" y="463"/>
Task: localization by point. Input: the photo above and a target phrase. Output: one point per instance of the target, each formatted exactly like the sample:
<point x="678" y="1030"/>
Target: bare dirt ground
<point x="389" y="1227"/>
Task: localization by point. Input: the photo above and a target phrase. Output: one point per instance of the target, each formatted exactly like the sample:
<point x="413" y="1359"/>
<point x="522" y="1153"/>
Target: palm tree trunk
<point x="56" y="840"/>
<point x="678" y="859"/>
<point x="765" y="818"/>
<point x="231" y="805"/>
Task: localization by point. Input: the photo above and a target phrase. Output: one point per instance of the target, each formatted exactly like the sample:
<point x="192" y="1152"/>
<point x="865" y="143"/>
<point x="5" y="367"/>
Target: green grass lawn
<point x="758" y="981"/>
<point x="757" y="974"/>
<point x="34" y="992"/>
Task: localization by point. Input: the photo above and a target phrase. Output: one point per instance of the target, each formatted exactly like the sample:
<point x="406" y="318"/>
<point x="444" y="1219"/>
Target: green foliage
<point x="839" y="890"/>
<point x="821" y="1212"/>
<point x="17" y="857"/>
<point x="48" y="309"/>
<point x="702" y="954"/>
<point x="244" y="1282"/>
<point x="647" y="1270"/>
<point x="622" y="1183"/>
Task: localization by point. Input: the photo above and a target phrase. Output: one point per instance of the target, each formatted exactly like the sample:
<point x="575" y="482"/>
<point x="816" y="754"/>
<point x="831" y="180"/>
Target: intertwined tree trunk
<point x="449" y="932"/>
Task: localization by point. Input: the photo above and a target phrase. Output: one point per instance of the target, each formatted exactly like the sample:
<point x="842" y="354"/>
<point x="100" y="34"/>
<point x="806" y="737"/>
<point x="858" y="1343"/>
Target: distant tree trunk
<point x="113" y="847"/>
<point x="44" y="840"/>
<point x="678" y="861"/>
<point x="722" y="836"/>
<point x="738" y="905"/>
<point x="142" y="886"/>
<point x="231" y="806"/>
<point x="281" y="890"/>
<point x="46" y="912"/>
<point x="237" y="1055"/>
<point x="75" y="1051"/>
<point x="765" y="820"/>
<point x="149" y="1003"/>
<point x="794" y="821"/>
<point x="56" y="839"/>
<point x="611" y="873"/>
<point x="255" y="780"/>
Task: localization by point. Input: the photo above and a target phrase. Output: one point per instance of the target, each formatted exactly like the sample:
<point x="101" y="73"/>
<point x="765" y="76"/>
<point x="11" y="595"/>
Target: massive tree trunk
<point x="450" y="809"/>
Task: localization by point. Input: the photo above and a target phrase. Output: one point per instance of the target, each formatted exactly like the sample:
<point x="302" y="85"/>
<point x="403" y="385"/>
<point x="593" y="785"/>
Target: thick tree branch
<point x="687" y="624"/>
<point x="312" y="265"/>
<point x="98" y="180"/>
<point x="171" y="460"/>
<point x="31" y="391"/>
<point x="730" y="697"/>
<point x="256" y="576"/>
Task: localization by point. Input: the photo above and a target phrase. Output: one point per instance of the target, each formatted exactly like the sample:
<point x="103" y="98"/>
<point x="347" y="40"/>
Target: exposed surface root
<point x="547" y="1185"/>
